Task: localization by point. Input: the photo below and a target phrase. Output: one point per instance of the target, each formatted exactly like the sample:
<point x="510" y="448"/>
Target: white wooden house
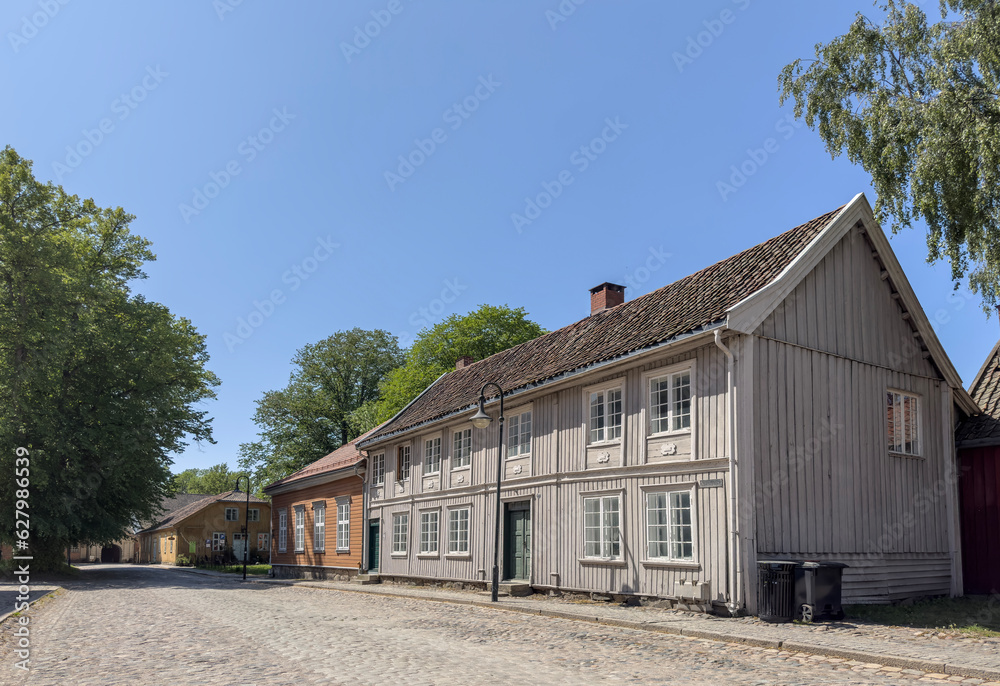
<point x="791" y="401"/>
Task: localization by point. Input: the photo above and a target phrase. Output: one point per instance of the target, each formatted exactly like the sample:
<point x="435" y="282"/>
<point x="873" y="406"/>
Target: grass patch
<point x="258" y="570"/>
<point x="977" y="616"/>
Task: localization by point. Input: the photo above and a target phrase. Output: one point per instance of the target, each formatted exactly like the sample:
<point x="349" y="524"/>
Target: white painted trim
<point x="670" y="488"/>
<point x="645" y="411"/>
<point x="619" y="383"/>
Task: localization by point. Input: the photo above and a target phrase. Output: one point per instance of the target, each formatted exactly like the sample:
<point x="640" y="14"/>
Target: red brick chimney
<point x="463" y="361"/>
<point x="606" y="296"/>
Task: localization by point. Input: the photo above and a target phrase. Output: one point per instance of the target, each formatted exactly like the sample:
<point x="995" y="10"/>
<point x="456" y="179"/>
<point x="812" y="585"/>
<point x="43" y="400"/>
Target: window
<point x="668" y="526"/>
<point x="403" y="463"/>
<point x="282" y="531"/>
<point x="378" y="469"/>
<point x="606" y="415"/>
<point x="458" y="531"/>
<point x="461" y="454"/>
<point x="319" y="527"/>
<point x="429" y="532"/>
<point x="300" y="528"/>
<point x="171" y="546"/>
<point x="400" y="533"/>
<point x="262" y="542"/>
<point x="519" y="434"/>
<point x="670" y="402"/>
<point x="254" y="514"/>
<point x="344" y="525"/>
<point x="601" y="532"/>
<point x="432" y="456"/>
<point x="903" y="415"/>
<point x="218" y="541"/>
<point x="232" y="514"/>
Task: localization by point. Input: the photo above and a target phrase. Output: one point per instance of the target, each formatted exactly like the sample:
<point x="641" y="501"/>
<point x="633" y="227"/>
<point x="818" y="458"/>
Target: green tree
<point x="478" y="334"/>
<point x="916" y="105"/>
<point x="99" y="385"/>
<point x="210" y="481"/>
<point x="309" y="418"/>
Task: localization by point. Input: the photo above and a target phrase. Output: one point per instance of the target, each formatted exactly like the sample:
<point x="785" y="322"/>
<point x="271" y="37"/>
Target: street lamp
<point x="481" y="420"/>
<point x="246" y="523"/>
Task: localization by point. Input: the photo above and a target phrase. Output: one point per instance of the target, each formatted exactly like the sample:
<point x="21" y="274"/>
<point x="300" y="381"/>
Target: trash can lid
<point x="814" y="564"/>
<point x="776" y="562"/>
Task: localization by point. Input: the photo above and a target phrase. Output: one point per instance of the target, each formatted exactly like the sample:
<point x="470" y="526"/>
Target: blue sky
<point x="333" y="165"/>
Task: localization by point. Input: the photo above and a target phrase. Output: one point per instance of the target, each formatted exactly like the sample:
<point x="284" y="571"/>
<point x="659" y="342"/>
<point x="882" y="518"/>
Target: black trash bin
<point x="776" y="590"/>
<point x="817" y="590"/>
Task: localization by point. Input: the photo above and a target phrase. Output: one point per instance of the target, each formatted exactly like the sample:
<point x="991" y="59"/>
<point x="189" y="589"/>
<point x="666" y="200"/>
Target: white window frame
<point x="458" y="535"/>
<point x="400" y="533"/>
<point x="254" y="514"/>
<point x="343" y="524"/>
<point x="688" y="367"/>
<point x="517" y="419"/>
<point x="432" y="454"/>
<point x="603" y="389"/>
<point x="236" y="514"/>
<point x="378" y="469"/>
<point x="914" y="414"/>
<point x="430" y="533"/>
<point x="218" y="541"/>
<point x="263" y="538"/>
<point x="403" y="457"/>
<point x="606" y="536"/>
<point x="282" y="530"/>
<point x="300" y="528"/>
<point x="461" y="448"/>
<point x="319" y="526"/>
<point x="669" y="491"/>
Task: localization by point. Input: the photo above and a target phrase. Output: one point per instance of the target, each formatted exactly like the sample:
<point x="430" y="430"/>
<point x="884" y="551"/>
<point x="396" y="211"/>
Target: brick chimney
<point x="606" y="296"/>
<point x="463" y="361"/>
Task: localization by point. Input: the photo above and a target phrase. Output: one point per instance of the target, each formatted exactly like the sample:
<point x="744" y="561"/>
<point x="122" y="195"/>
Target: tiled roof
<point x="203" y="501"/>
<point x="344" y="456"/>
<point x="986" y="392"/>
<point x="171" y="505"/>
<point x="682" y="307"/>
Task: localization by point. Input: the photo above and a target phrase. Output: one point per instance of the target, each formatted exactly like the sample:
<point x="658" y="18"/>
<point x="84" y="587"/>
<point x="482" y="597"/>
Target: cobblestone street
<point x="137" y="625"/>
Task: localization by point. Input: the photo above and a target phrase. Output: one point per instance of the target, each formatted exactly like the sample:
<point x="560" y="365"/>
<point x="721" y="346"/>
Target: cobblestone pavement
<point x="139" y="625"/>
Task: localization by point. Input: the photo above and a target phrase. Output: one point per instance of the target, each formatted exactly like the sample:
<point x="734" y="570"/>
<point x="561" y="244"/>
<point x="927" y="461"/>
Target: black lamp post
<point x="481" y="420"/>
<point x="246" y="524"/>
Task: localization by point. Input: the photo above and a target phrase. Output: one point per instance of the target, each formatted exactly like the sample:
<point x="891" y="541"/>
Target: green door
<point x="517" y="549"/>
<point x="373" y="545"/>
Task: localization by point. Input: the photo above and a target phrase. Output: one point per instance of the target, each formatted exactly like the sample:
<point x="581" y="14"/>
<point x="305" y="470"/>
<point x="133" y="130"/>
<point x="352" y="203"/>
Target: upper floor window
<point x="254" y="514"/>
<point x="403" y="463"/>
<point x="461" y="454"/>
<point x="232" y="514"/>
<point x="378" y="469"/>
<point x="670" y="402"/>
<point x="903" y="417"/>
<point x="519" y="434"/>
<point x="606" y="415"/>
<point x="432" y="456"/>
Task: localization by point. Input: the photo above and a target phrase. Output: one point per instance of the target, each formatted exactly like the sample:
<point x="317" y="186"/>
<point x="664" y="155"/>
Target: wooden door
<point x="517" y="549"/>
<point x="979" y="495"/>
<point x="374" y="541"/>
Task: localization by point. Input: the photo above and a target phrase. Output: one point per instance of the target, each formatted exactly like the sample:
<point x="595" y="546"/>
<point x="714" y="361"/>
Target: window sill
<point x="342" y="551"/>
<point x="299" y="552"/>
<point x="674" y="564"/>
<point x="520" y="456"/>
<point x="428" y="556"/>
<point x="437" y="473"/>
<point x="319" y="550"/>
<point x="459" y="556"/>
<point x="605" y="444"/>
<point x="893" y="453"/>
<point x="668" y="434"/>
<point x="397" y="555"/>
<point x="462" y="468"/>
<point x="602" y="561"/>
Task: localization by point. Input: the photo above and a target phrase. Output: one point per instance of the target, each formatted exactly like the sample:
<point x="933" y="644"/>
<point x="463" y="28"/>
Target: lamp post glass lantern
<point x="246" y="523"/>
<point x="481" y="420"/>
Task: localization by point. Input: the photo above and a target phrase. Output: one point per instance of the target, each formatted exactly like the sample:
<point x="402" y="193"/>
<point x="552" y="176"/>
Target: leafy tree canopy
<point x="99" y="385"/>
<point x="309" y="418"/>
<point x="215" y="479"/>
<point x="478" y="334"/>
<point x="916" y="105"/>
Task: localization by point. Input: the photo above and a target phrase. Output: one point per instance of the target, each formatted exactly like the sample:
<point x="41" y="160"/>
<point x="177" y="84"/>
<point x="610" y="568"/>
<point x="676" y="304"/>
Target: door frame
<point x="520" y="504"/>
<point x="374" y="524"/>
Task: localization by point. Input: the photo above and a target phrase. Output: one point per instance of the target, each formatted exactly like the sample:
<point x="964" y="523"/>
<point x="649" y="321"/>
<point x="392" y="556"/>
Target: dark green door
<point x="517" y="549"/>
<point x="373" y="545"/>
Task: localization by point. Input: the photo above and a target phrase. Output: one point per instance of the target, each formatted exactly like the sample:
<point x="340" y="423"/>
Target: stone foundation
<point x="314" y="573"/>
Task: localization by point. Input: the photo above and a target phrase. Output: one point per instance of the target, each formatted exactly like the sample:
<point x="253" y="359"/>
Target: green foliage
<point x="215" y="479"/>
<point x="479" y="334"/>
<point x="183" y="561"/>
<point x="309" y="418"/>
<point x="99" y="385"/>
<point x="916" y="105"/>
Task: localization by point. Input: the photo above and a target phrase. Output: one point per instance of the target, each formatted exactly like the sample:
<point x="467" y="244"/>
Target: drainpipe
<point x="735" y="602"/>
<point x="361" y="474"/>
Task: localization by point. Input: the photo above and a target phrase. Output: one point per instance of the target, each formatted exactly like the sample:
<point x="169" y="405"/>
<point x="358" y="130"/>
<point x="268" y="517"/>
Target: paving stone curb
<point x="3" y="618"/>
<point x="887" y="660"/>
